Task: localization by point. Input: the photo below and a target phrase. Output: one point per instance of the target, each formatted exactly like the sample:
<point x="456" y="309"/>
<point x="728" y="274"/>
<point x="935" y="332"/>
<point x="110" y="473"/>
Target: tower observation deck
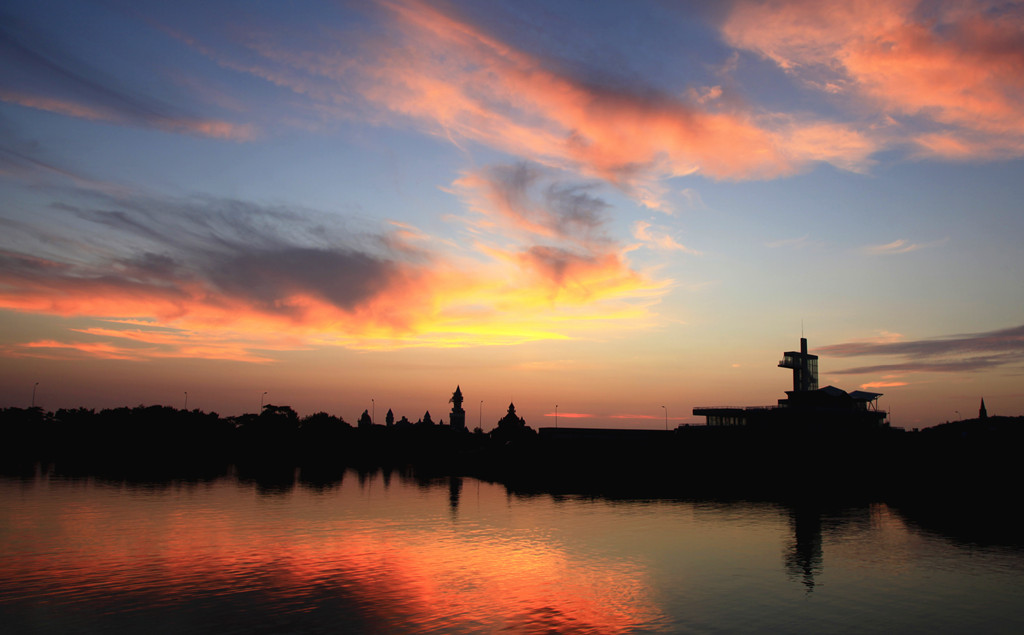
<point x="804" y="366"/>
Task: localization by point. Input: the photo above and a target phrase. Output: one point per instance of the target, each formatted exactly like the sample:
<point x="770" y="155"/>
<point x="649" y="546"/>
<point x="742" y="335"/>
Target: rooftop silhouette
<point x="806" y="403"/>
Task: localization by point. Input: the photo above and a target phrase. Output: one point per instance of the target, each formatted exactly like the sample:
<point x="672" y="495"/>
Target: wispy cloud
<point x="45" y="77"/>
<point x="454" y="77"/>
<point x="901" y="246"/>
<point x="143" y="347"/>
<point x="956" y="353"/>
<point x="943" y="76"/>
<point x="562" y="248"/>
<point x="451" y="71"/>
<point x="656" y="238"/>
<point x="525" y="198"/>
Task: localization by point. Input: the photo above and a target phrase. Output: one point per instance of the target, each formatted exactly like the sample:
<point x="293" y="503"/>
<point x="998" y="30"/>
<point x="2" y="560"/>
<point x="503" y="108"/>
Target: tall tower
<point x="805" y="367"/>
<point x="457" y="418"/>
<point x="982" y="412"/>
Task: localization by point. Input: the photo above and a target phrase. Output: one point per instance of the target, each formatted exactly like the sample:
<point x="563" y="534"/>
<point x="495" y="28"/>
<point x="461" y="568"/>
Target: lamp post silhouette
<point x="556" y="416"/>
<point x="373" y="411"/>
<point x="666" y="417"/>
<point x="34" y="386"/>
<point x="261" y="401"/>
<point x="186" y="400"/>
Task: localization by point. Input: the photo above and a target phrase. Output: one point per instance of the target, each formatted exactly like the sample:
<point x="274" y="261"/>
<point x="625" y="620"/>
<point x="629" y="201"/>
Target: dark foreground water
<point x="376" y="553"/>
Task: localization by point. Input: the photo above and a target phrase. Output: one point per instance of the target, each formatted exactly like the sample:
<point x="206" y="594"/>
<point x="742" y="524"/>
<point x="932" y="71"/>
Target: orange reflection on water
<point x="412" y="574"/>
<point x="430" y="580"/>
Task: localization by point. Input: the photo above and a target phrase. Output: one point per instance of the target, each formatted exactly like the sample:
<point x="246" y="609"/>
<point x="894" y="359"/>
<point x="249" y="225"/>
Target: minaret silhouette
<point x="457" y="418"/>
<point x="982" y="412"/>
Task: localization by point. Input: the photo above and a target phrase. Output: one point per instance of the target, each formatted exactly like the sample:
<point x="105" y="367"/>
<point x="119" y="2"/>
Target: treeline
<point x="162" y="439"/>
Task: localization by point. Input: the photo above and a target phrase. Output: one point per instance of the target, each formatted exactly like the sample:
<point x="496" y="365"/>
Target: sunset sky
<point x="625" y="209"/>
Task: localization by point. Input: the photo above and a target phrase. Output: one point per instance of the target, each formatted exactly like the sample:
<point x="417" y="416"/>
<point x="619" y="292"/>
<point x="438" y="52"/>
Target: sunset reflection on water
<point x="403" y="562"/>
<point x="383" y="553"/>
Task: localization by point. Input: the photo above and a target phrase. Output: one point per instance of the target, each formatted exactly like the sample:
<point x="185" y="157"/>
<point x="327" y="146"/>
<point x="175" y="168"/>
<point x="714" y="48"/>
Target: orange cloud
<point x="883" y="384"/>
<point x="434" y="66"/>
<point x="191" y="287"/>
<point x="954" y="64"/>
<point x="52" y="349"/>
<point x="475" y="86"/>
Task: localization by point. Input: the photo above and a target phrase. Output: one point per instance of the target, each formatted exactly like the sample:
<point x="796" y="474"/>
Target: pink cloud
<point x="436" y="67"/>
<point x="477" y="87"/>
<point x="953" y="65"/>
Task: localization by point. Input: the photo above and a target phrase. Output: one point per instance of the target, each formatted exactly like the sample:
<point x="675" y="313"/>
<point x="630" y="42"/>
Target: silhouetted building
<point x="806" y="403"/>
<point x="457" y="418"/>
<point x="982" y="412"/>
<point x="512" y="427"/>
<point x="511" y="421"/>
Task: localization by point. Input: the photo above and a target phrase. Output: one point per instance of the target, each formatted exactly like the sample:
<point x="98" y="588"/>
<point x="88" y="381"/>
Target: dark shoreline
<point x="968" y="460"/>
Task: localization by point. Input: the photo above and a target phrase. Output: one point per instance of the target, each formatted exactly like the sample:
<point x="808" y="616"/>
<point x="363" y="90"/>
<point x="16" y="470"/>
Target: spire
<point x="456" y="397"/>
<point x="982" y="412"/>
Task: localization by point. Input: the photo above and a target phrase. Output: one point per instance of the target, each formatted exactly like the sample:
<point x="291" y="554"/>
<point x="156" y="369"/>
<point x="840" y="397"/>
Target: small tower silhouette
<point x="982" y="412"/>
<point x="457" y="418"/>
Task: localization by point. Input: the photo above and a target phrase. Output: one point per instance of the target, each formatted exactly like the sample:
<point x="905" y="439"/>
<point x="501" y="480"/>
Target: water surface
<point x="379" y="553"/>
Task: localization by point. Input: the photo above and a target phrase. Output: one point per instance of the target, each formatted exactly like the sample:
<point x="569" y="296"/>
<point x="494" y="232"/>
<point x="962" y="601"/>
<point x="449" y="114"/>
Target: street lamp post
<point x="261" y="401"/>
<point x="556" y="416"/>
<point x="666" y="417"/>
<point x="480" y="420"/>
<point x="373" y="411"/>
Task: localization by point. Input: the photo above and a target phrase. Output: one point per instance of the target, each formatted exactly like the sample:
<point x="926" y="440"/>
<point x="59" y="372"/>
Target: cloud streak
<point x="957" y="353"/>
<point x="45" y="77"/>
<point x="899" y="246"/>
